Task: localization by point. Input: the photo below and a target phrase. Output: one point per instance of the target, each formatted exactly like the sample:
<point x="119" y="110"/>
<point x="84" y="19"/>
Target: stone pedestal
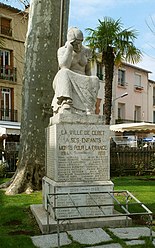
<point x="78" y="161"/>
<point x="78" y="168"/>
<point x="85" y="195"/>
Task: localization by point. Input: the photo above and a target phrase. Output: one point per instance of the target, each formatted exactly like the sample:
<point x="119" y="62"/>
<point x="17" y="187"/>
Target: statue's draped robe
<point x="80" y="88"/>
<point x="71" y="82"/>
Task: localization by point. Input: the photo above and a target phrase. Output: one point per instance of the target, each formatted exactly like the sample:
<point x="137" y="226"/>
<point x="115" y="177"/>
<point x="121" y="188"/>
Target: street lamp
<point x="121" y="96"/>
<point x="112" y="112"/>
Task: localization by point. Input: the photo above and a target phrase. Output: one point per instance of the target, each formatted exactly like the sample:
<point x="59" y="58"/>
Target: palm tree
<point x="115" y="44"/>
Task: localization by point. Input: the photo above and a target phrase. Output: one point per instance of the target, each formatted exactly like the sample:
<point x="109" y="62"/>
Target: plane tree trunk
<point x="40" y="68"/>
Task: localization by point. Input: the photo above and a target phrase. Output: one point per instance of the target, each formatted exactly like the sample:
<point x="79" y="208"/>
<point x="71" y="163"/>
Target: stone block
<point x="85" y="195"/>
<point x="78" y="152"/>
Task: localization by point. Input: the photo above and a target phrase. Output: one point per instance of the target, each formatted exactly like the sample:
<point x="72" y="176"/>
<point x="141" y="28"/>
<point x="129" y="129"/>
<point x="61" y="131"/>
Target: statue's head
<point x="75" y="37"/>
<point x="74" y="34"/>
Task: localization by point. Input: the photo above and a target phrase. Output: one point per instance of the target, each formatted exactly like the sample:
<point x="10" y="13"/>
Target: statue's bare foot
<point x="66" y="105"/>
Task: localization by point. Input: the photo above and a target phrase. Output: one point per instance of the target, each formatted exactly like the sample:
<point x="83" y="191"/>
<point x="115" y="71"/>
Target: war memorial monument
<point x="77" y="146"/>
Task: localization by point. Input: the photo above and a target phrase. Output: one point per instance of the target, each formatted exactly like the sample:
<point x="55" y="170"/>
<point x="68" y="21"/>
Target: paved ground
<point x="95" y="237"/>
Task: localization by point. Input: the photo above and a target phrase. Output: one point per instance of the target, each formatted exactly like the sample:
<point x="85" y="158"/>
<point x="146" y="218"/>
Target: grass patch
<point x="17" y="223"/>
<point x="16" y="242"/>
<point x="141" y="187"/>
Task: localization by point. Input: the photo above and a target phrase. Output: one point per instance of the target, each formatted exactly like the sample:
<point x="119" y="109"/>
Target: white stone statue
<point x="74" y="87"/>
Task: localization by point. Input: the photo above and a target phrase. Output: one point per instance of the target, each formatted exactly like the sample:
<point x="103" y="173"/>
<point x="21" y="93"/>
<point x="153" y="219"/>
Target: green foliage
<point x="152" y="165"/>
<point x="110" y="33"/>
<point x="2" y="169"/>
<point x="140" y="167"/>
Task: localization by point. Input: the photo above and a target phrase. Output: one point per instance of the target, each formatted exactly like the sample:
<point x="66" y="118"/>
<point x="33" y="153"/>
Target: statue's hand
<point x="69" y="44"/>
<point x="72" y="42"/>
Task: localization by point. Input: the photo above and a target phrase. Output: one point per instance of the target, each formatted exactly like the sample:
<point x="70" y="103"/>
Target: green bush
<point x="140" y="168"/>
<point x="2" y="170"/>
<point x="152" y="165"/>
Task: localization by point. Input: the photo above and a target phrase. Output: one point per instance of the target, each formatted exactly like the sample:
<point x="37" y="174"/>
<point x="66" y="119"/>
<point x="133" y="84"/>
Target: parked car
<point x="149" y="141"/>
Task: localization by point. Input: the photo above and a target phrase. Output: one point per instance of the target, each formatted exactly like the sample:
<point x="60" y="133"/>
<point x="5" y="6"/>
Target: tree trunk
<point x="108" y="61"/>
<point x="40" y="68"/>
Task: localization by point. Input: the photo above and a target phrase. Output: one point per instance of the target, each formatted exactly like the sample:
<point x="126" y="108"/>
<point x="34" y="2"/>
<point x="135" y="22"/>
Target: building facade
<point x="152" y="99"/>
<point x="132" y="95"/>
<point x="13" y="29"/>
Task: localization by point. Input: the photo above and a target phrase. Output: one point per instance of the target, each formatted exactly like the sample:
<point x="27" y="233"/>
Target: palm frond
<point x="115" y="44"/>
<point x="110" y="33"/>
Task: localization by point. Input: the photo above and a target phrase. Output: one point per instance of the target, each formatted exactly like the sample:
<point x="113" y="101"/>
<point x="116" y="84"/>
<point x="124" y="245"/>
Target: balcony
<point x="122" y="84"/>
<point x="6" y="30"/>
<point x="8" y="115"/>
<point x="138" y="88"/>
<point x="8" y="73"/>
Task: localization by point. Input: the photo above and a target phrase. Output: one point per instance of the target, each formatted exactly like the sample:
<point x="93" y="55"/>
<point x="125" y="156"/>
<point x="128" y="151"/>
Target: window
<point x="5" y="104"/>
<point x="5" y="63"/>
<point x="153" y="116"/>
<point x="6" y="26"/>
<point x="137" y="113"/>
<point x="138" y="80"/>
<point x="100" y="71"/>
<point x="7" y="71"/>
<point x="121" y="111"/>
<point x="5" y="58"/>
<point x="121" y="77"/>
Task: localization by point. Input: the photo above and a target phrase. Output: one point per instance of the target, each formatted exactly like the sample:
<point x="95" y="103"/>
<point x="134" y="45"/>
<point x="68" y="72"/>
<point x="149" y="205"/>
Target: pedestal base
<point x="41" y="218"/>
<point x="77" y="199"/>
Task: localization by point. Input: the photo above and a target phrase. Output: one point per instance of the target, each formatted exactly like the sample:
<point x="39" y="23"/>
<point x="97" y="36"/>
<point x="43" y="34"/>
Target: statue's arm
<point x="88" y="55"/>
<point x="88" y="69"/>
<point x="65" y="56"/>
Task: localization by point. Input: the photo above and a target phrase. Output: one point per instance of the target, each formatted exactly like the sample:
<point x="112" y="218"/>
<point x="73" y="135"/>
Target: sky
<point x="135" y="14"/>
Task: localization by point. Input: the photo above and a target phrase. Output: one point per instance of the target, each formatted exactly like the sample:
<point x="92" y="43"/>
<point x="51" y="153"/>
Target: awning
<point x="141" y="126"/>
<point x="7" y="127"/>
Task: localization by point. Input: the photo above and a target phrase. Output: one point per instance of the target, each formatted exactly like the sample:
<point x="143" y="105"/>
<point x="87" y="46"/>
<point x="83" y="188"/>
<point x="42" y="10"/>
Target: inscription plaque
<point x="77" y="152"/>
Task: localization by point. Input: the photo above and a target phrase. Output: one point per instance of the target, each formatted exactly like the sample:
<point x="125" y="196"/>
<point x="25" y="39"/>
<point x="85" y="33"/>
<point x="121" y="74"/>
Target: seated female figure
<point x="74" y="86"/>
